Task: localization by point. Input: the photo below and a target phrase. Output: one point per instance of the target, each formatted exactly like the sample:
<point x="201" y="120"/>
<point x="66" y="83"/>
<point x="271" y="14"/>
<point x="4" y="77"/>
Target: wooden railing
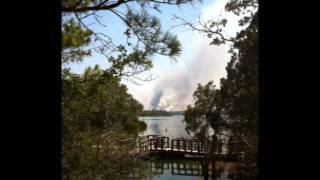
<point x="162" y="143"/>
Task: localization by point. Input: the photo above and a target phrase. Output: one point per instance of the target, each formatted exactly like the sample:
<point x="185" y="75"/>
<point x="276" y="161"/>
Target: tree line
<point x="100" y="118"/>
<point x="234" y="106"/>
<point x="160" y="113"/>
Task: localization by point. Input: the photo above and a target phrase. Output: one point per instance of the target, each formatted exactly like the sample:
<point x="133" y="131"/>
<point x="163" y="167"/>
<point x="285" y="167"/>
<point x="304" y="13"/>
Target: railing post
<point x="172" y="144"/>
<point x="166" y="142"/>
<point x="202" y="147"/>
<point x="193" y="146"/>
<point x="198" y="146"/>
<point x="205" y="146"/>
<point x="157" y="142"/>
<point x="146" y="145"/>
<point x="162" y="143"/>
<point x="151" y="144"/>
<point x="142" y="145"/>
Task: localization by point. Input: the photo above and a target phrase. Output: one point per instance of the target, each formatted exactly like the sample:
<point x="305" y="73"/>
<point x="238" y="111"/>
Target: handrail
<point x="157" y="142"/>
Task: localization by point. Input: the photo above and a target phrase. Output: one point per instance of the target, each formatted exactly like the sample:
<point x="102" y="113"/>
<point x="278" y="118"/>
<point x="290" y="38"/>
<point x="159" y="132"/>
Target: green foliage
<point x="234" y="106"/>
<point x="246" y="9"/>
<point x="142" y="126"/>
<point x="239" y="91"/>
<point x="205" y="112"/>
<point x="176" y="112"/>
<point x="239" y="7"/>
<point x="135" y="126"/>
<point x="73" y="39"/>
<point x="155" y="113"/>
<point x="143" y="32"/>
<point x="160" y="113"/>
<point x="148" y="30"/>
<point x="98" y="93"/>
<point x="97" y="111"/>
<point x="99" y="117"/>
<point x="73" y="36"/>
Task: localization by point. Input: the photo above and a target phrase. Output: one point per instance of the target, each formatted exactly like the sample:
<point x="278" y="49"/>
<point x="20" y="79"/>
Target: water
<point x="170" y="126"/>
<point x="183" y="169"/>
<point x="187" y="169"/>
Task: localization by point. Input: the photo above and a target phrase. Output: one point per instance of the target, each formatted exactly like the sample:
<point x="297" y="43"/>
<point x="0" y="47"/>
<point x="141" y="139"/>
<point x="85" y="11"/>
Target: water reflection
<point x="190" y="169"/>
<point x="186" y="169"/>
<point x="155" y="129"/>
<point x="171" y="126"/>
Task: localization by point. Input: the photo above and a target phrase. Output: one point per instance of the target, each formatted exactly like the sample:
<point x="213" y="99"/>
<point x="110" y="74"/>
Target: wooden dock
<point x="182" y="147"/>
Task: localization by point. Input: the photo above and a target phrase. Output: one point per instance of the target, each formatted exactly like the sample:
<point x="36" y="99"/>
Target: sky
<point x="199" y="61"/>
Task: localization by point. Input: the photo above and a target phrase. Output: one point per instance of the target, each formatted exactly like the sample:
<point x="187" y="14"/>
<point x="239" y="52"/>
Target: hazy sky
<point x="199" y="62"/>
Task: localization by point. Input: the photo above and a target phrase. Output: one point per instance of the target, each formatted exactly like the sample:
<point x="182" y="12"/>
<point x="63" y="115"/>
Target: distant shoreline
<point x="151" y="113"/>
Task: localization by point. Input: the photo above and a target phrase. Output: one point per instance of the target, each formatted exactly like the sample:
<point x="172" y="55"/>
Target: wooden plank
<point x="180" y="145"/>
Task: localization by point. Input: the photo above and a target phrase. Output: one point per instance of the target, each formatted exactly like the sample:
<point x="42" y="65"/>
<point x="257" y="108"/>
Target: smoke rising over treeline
<point x="202" y="62"/>
<point x="174" y="91"/>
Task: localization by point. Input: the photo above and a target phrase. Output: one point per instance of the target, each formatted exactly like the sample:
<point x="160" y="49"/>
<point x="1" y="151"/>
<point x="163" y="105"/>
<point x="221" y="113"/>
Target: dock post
<point x="172" y="145"/>
<point x="162" y="143"/>
<point x="191" y="146"/>
<point x="213" y="172"/>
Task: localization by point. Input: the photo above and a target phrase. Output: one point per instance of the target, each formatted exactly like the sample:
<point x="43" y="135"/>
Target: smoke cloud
<point x="174" y="91"/>
<point x="202" y="63"/>
<point x="156" y="98"/>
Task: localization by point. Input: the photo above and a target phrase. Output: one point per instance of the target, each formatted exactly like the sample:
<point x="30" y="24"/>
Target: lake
<point x="183" y="169"/>
<point x="170" y="126"/>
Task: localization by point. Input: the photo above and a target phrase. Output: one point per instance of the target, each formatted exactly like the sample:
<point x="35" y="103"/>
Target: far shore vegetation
<point x="160" y="113"/>
<point x="100" y="118"/>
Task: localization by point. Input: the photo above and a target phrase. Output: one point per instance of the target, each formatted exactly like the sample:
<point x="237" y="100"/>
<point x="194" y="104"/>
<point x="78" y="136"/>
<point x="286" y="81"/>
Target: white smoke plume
<point x="177" y="88"/>
<point x="203" y="62"/>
